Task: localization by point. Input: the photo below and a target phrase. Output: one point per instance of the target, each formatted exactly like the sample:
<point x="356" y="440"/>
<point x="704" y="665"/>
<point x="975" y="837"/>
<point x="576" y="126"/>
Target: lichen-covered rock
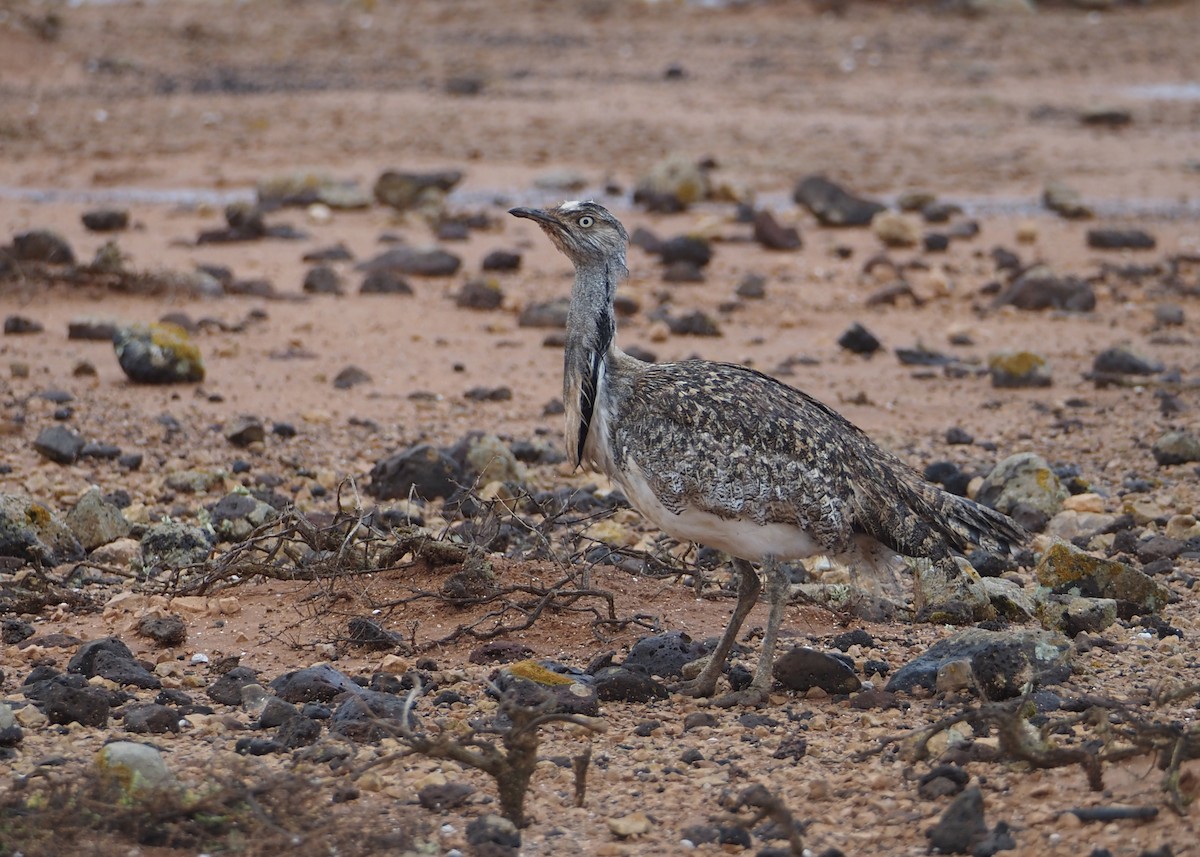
<point x="1019" y="369"/>
<point x="1074" y="613"/>
<point x="672" y="184"/>
<point x="96" y="521"/>
<point x="1002" y="662"/>
<point x="159" y="353"/>
<point x="1067" y="570"/>
<point x="172" y="545"/>
<point x="1009" y="599"/>
<point x="136" y="767"/>
<point x="1177" y="447"/>
<point x="31" y="532"/>
<point x="1024" y="487"/>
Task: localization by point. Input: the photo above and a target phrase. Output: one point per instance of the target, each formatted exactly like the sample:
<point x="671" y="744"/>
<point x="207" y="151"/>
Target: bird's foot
<point x="750" y="697"/>
<point x="698" y="687"/>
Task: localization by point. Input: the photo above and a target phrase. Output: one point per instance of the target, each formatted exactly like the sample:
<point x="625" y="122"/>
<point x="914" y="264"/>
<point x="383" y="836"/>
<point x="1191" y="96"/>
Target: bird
<point x="725" y="456"/>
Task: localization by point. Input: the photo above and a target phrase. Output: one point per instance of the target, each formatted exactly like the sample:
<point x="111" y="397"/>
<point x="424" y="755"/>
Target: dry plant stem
<point x="511" y="764"/>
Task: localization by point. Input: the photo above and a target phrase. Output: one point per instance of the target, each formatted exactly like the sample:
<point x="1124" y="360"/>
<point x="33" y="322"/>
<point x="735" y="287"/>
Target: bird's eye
<point x="586" y="221"/>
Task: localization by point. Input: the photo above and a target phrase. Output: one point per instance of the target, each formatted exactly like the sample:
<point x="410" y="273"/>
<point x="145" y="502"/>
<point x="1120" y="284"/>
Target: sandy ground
<point x="173" y="109"/>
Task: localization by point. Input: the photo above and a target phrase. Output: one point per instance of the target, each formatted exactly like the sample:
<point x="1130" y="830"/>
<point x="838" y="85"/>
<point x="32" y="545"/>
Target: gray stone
<point x="244" y="430"/>
<point x="106" y="219"/>
<point x="368" y="716"/>
<point x="949" y="591"/>
<point x="298" y="731"/>
<point x="235" y="516"/>
<point x="96" y="521"/>
<point x="501" y="260"/>
<point x="137" y="767"/>
<point x="478" y="293"/>
<point x="1002" y="662"/>
<point x="1009" y="598"/>
<point x="275" y="711"/>
<point x="227" y="689"/>
<point x="349" y="377"/>
<point x="59" y="444"/>
<point x="1176" y="447"/>
<point x="173" y="545"/>
<point x="801" y="668"/>
<point x="664" y="655"/>
<point x="551" y="314"/>
<point x="158" y="354"/>
<point x="962" y="825"/>
<point x="428" y="262"/>
<point x="422" y="470"/>
<point x="151" y="718"/>
<point x="672" y="184"/>
<point x="1039" y="288"/>
<point x="1065" y="201"/>
<point x="1123" y="361"/>
<point x="833" y="205"/>
<point x="322" y="280"/>
<point x="92" y="329"/>
<point x="1120" y="239"/>
<point x="439" y="797"/>
<point x="42" y="245"/>
<point x="169" y="630"/>
<point x="384" y="283"/>
<point x="1024" y="487"/>
<point x="773" y="235"/>
<point x="31" y="532"/>
<point x="20" y="324"/>
<point x="405" y="191"/>
<point x="320" y="683"/>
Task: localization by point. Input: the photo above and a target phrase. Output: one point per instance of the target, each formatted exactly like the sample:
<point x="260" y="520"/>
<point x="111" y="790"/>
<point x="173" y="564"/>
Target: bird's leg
<point x="757" y="692"/>
<point x="749" y="587"/>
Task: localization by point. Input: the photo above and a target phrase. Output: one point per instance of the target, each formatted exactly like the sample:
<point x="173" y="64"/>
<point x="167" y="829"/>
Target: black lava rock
<point x="801" y="668"/>
<point x="151" y="718"/>
<point x="59" y="444"/>
<point x="227" y="690"/>
<point x="626" y="685"/>
<point x="664" y="655"/>
<point x="859" y="340"/>
<point x="1120" y="239"/>
<point x="422" y="470"/>
<point x="833" y="205"/>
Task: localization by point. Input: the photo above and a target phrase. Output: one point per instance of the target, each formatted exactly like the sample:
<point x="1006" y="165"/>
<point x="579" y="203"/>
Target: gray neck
<point x="591" y="329"/>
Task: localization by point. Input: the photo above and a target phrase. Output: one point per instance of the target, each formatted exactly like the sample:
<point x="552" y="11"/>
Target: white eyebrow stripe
<point x="571" y="205"/>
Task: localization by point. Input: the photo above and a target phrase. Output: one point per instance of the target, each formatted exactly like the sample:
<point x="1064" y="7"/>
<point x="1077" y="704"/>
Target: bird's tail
<point x="963" y="522"/>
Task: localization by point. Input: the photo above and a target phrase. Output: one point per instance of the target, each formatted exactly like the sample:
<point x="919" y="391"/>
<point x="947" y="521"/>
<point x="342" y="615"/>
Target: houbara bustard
<point x="728" y="457"/>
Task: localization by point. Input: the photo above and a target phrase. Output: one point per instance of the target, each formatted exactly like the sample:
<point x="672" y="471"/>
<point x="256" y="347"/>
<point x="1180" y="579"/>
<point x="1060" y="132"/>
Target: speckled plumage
<point x="724" y="455"/>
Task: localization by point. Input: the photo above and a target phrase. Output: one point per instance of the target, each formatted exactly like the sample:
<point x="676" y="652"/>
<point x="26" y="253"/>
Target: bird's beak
<point x="537" y="215"/>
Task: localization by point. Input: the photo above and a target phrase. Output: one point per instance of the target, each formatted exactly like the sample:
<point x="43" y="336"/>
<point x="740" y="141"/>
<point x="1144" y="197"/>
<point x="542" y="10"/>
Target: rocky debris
<point x="236" y="515"/>
<point x="227" y="690"/>
<point x="693" y="249"/>
<point x="752" y="287"/>
<point x="694" y="323"/>
<point x="151" y="718"/>
<point x="111" y="659"/>
<point x="19" y="325"/>
<point x="672" y="184"/>
<point x="1176" y="447"/>
<point x="70" y="699"/>
<point x="422" y="470"/>
<point x="833" y="205"/>
<point x="1120" y="239"/>
<point x="1065" y="202"/>
<point x="439" y="797"/>
<point x="535" y="682"/>
<point x="549" y="314"/>
<point x="801" y="668"/>
<point x="13" y="631"/>
<point x="620" y="684"/>
<point x="1168" y="315"/>
<point x="338" y="252"/>
<point x="166" y="630"/>
<point x="313" y="684"/>
<point x="1001" y="662"/>
<point x="488" y="394"/>
<point x="1013" y="369"/>
<point x="422" y="262"/>
<point x="95" y="520"/>
<point x="664" y="655"/>
<point x="174" y="545"/>
<point x="384" y="283"/>
<point x="1038" y="288"/>
<point x="364" y="716"/>
<point x="368" y="633"/>
<point x="351" y="376"/>
<point x="962" y="829"/>
<point x="773" y="235"/>
<point x="1122" y="360"/>
<point x="92" y="329"/>
<point x="42" y="245"/>
<point x="308" y="187"/>
<point x="31" y="532"/>
<point x="949" y="592"/>
<point x="59" y="444"/>
<point x="244" y="430"/>
<point x="322" y="280"/>
<point x="494" y="836"/>
<point x="1065" y="569"/>
<point x="1073" y="614"/>
<point x="501" y="260"/>
<point x="1104" y="116"/>
<point x="106" y="220"/>
<point x="683" y="271"/>
<point x="1024" y="487"/>
<point x="408" y="191"/>
<point x="479" y="293"/>
<point x="136" y="767"/>
<point x="897" y="230"/>
<point x="858" y="340"/>
<point x="158" y="354"/>
<point x="246" y="222"/>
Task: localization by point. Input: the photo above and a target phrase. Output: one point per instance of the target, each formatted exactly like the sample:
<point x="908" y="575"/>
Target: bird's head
<point x="585" y="232"/>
